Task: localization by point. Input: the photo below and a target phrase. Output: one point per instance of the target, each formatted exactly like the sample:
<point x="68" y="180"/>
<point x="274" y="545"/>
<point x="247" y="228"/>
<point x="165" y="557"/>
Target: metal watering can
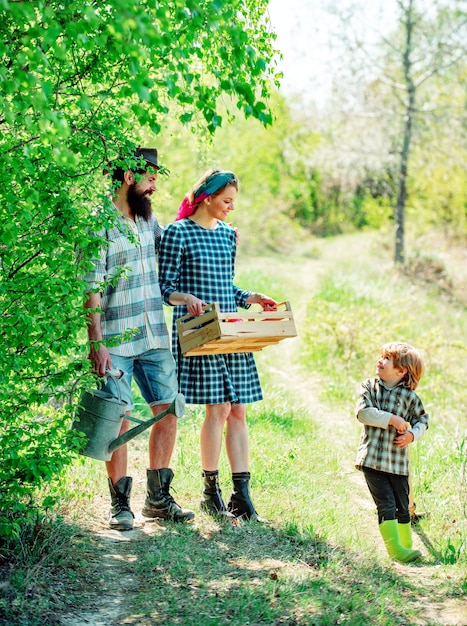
<point x="99" y="416"/>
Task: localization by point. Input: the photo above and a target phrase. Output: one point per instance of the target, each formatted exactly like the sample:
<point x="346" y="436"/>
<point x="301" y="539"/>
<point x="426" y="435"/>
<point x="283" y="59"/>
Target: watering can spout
<point x="177" y="408"/>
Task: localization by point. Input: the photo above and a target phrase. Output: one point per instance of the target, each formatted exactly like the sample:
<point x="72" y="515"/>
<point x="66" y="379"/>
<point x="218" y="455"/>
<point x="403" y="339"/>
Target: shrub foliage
<point x="79" y="83"/>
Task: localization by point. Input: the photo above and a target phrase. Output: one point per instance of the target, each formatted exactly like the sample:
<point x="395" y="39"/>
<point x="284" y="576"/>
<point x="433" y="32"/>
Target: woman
<point x="196" y="260"/>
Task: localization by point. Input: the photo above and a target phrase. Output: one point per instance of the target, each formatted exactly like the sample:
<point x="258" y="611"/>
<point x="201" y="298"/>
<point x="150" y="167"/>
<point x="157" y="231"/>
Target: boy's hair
<point x="405" y="356"/>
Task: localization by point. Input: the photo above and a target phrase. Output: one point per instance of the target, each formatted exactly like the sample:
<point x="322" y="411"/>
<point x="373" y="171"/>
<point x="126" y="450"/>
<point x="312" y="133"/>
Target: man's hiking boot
<point x="159" y="503"/>
<point x="121" y="516"/>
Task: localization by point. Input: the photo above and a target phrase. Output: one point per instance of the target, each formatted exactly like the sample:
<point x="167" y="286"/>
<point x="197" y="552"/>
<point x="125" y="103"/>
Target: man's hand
<point x="100" y="357"/>
<point x="236" y="231"/>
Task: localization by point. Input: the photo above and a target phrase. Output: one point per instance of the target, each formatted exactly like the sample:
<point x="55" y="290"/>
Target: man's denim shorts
<point x="154" y="373"/>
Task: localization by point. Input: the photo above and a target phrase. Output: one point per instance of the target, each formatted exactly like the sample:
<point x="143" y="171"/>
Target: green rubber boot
<point x="405" y="535"/>
<point x="389" y="530"/>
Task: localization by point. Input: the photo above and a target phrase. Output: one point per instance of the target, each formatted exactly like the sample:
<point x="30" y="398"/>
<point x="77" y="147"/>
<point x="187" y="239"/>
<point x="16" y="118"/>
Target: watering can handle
<point x="114" y="374"/>
<point x="177" y="407"/>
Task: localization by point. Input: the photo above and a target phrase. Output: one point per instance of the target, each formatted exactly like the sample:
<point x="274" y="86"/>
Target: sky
<point x="303" y="36"/>
<point x="306" y="35"/>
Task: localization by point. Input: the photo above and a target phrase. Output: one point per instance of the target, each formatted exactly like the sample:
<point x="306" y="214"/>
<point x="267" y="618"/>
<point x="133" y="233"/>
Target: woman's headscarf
<point x="213" y="183"/>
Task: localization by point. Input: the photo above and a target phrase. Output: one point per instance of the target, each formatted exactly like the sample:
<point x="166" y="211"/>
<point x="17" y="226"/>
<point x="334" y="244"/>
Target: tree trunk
<point x="399" y="255"/>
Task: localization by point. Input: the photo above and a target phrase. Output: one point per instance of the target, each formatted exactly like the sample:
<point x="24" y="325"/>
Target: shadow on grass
<point x="251" y="574"/>
<point x="40" y="567"/>
<point x="199" y="573"/>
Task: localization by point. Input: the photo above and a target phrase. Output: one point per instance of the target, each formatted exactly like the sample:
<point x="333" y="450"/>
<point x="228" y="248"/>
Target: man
<point x="130" y="302"/>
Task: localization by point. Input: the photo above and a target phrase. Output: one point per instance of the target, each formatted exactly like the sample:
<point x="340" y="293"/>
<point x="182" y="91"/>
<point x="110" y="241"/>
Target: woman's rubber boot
<point x="405" y="535"/>
<point x="240" y="504"/>
<point x="120" y="515"/>
<point x="389" y="530"/>
<point x="211" y="500"/>
<point x="159" y="503"/>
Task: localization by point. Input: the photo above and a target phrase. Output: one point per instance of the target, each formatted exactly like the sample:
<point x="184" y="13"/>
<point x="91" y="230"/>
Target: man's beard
<point x="140" y="203"/>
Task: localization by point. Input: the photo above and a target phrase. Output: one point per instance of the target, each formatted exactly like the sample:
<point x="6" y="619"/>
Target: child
<point x="393" y="417"/>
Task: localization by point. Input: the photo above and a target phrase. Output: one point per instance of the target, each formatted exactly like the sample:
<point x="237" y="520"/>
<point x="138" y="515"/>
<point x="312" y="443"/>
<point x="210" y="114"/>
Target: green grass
<point x="259" y="576"/>
<point x="42" y="571"/>
<point x="351" y="315"/>
<point x="321" y="560"/>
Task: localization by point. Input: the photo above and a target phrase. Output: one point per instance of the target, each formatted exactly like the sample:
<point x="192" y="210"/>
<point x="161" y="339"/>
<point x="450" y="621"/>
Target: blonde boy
<point x="393" y="417"/>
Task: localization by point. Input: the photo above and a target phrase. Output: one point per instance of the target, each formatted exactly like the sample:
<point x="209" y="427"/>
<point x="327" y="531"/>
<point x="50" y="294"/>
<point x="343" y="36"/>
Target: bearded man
<point x="125" y="306"/>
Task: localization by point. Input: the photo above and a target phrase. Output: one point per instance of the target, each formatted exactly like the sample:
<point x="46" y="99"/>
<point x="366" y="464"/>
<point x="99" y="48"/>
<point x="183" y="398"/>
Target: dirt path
<point x="112" y="563"/>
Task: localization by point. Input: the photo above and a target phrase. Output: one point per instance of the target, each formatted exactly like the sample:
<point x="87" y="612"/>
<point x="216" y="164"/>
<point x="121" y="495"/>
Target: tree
<point x="393" y="71"/>
<point x="430" y="46"/>
<point x="80" y="83"/>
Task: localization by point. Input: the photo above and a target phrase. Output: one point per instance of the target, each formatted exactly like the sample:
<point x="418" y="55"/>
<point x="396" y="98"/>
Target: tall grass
<point x="349" y="317"/>
<point x="356" y="311"/>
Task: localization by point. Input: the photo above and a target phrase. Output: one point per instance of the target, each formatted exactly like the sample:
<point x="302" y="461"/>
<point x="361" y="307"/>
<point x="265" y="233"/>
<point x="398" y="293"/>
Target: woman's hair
<point x="212" y="183"/>
<point x="405" y="356"/>
<point x="212" y="178"/>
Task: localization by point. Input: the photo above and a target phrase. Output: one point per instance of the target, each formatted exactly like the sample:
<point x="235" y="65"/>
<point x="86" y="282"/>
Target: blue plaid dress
<point x="199" y="261"/>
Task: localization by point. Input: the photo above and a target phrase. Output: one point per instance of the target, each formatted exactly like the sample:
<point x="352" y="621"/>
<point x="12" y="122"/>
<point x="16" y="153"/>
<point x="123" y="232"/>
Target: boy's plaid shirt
<point x="376" y="449"/>
<point x="135" y="301"/>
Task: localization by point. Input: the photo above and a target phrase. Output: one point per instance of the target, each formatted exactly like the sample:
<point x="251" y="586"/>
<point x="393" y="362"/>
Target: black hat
<point x="149" y="155"/>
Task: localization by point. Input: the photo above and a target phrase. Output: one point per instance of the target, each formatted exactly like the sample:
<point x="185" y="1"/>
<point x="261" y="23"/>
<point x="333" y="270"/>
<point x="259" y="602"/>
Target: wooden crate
<point x="213" y="333"/>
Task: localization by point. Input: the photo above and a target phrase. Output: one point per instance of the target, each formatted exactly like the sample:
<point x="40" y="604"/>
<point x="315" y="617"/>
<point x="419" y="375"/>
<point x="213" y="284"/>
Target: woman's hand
<point x="267" y="303"/>
<point x="194" y="305"/>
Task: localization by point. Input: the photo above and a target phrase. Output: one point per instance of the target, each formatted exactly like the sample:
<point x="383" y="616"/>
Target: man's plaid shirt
<point x="134" y="302"/>
<point x="375" y="406"/>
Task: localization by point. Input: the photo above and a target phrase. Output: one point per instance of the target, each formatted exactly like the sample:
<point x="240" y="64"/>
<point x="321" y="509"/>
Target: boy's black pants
<point x="390" y="493"/>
